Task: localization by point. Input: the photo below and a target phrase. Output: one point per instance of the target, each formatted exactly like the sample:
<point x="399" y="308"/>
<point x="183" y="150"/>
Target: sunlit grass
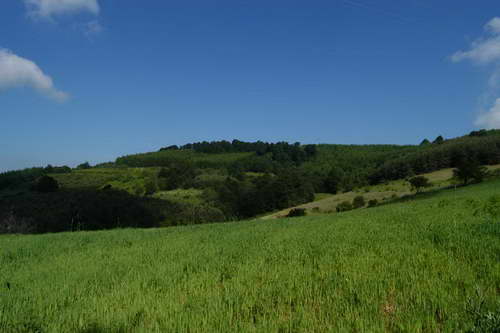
<point x="425" y="265"/>
<point x="383" y="193"/>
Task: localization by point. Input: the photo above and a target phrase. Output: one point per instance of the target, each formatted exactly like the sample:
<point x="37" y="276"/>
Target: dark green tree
<point x="344" y="206"/>
<point x="45" y="184"/>
<point x="358" y="202"/>
<point x="425" y="142"/>
<point x="418" y="183"/>
<point x="297" y="212"/>
<point x="439" y="140"/>
<point x="85" y="165"/>
<point x="470" y="169"/>
<point x="179" y="174"/>
<point x="334" y="180"/>
<point x="310" y="150"/>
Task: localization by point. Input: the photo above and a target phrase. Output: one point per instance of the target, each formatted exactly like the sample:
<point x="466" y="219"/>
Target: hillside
<point x="422" y="265"/>
<point x="384" y="193"/>
<point x="225" y="181"/>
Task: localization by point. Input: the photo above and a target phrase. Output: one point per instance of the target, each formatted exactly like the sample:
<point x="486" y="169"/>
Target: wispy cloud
<point x="486" y="51"/>
<point x="16" y="71"/>
<point x="490" y="119"/>
<point x="47" y="9"/>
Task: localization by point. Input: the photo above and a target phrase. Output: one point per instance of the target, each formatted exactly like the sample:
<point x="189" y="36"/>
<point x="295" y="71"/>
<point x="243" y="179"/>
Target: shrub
<point x="296" y="212"/>
<point x="358" y="202"/>
<point x="372" y="203"/>
<point x="45" y="184"/>
<point x="419" y="182"/>
<point x="84" y="166"/>
<point x="344" y="206"/>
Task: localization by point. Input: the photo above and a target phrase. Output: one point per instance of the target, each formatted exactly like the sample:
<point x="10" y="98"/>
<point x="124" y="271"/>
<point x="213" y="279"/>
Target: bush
<point x="296" y="212"/>
<point x="344" y="206"/>
<point x="45" y="184"/>
<point x="419" y="182"/>
<point x="372" y="203"/>
<point x="358" y="202"/>
<point x="84" y="166"/>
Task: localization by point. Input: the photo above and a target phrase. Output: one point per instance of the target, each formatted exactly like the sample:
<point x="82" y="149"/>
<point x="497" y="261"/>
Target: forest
<point x="217" y="181"/>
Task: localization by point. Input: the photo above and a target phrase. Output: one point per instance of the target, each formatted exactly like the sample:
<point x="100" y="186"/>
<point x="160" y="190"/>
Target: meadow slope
<point x="383" y="193"/>
<point x="425" y="265"/>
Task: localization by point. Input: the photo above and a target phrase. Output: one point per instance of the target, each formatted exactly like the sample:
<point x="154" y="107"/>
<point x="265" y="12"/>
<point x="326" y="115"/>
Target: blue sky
<point x="90" y="80"/>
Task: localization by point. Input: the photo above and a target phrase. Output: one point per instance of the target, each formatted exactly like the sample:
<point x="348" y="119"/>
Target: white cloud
<point x="494" y="25"/>
<point x="49" y="8"/>
<point x="16" y="71"/>
<point x="485" y="50"/>
<point x="491" y="118"/>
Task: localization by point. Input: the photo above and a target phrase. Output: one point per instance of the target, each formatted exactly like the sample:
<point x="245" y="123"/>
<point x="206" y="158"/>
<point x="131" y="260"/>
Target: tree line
<point x="15" y="178"/>
<point x="484" y="149"/>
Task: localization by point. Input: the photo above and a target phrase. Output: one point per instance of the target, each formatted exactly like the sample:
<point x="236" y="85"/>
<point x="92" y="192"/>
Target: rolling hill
<point x="422" y="265"/>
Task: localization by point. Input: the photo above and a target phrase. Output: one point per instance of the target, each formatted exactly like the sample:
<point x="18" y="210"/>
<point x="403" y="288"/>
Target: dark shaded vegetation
<point x="77" y="210"/>
<point x="45" y="184"/>
<point x="419" y="182"/>
<point x="344" y="206"/>
<point x="358" y="202"/>
<point x="280" y="151"/>
<point x="237" y="156"/>
<point x="46" y="208"/>
<point x="341" y="168"/>
<point x="84" y="166"/>
<point x="469" y="169"/>
<point x="12" y="179"/>
<point x="179" y="175"/>
<point x="84" y="209"/>
<point x="297" y="212"/>
<point x="483" y="149"/>
<point x="248" y="197"/>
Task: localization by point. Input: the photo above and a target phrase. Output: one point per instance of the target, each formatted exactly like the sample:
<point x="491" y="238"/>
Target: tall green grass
<point x="427" y="265"/>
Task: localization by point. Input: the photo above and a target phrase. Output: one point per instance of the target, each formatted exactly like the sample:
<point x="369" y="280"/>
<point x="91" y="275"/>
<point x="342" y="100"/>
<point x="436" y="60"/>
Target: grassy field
<point x="326" y="203"/>
<point x="191" y="195"/>
<point x="426" y="265"/>
<point x="97" y="177"/>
